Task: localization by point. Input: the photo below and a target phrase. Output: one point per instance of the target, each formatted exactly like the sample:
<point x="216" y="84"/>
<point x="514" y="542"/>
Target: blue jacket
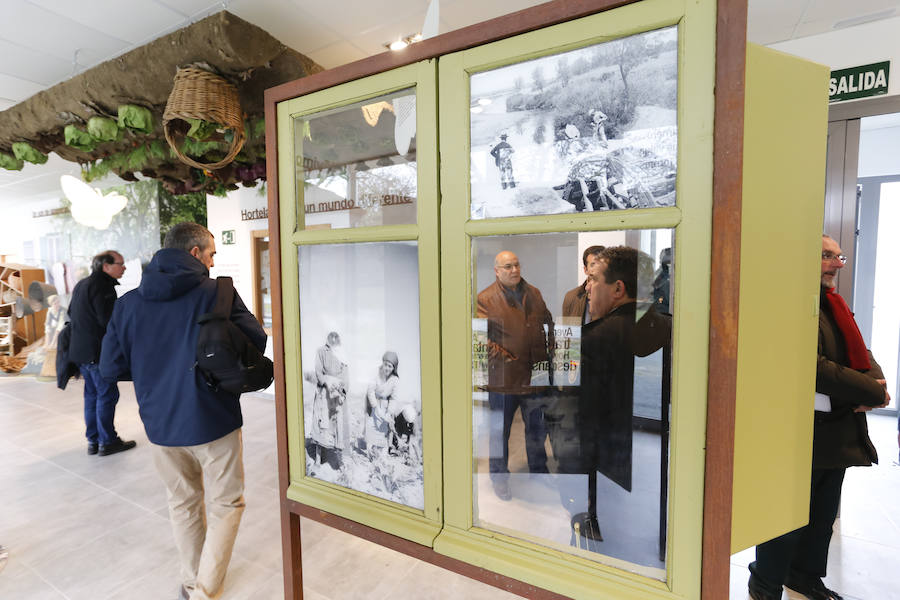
<point x="153" y="335"/>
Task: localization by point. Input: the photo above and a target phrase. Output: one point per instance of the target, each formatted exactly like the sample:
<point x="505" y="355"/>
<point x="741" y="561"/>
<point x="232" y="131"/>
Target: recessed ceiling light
<point x="403" y="42"/>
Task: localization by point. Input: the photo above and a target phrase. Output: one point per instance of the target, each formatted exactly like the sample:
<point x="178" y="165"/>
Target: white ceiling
<point x="45" y="42"/>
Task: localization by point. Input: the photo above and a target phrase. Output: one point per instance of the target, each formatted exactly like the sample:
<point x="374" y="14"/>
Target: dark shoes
<point x="760" y="590"/>
<point x="119" y="445"/>
<point x="92" y="448"/>
<point x="501" y="488"/>
<point x="810" y="586"/>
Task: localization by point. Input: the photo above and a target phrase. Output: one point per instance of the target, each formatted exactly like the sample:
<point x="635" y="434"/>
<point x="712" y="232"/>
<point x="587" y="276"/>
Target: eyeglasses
<point x="121" y="264"/>
<point x="831" y="256"/>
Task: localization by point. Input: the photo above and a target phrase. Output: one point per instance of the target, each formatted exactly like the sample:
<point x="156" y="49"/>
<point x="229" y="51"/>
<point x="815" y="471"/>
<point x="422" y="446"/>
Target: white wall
<point x="224" y="214"/>
<point x="850" y="47"/>
<point x="879" y="152"/>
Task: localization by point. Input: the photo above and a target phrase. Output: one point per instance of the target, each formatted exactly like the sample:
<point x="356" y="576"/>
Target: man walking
<point x="195" y="431"/>
<point x="517" y="340"/>
<point x="848" y="384"/>
<point x="89" y="312"/>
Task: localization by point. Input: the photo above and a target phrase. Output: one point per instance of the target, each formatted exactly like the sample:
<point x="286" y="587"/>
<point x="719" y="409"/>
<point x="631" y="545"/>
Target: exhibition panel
<point x="364" y="426"/>
<point x="495" y="356"/>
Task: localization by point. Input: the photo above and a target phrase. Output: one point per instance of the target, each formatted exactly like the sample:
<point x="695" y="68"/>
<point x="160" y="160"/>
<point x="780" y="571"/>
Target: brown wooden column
<point x="728" y="141"/>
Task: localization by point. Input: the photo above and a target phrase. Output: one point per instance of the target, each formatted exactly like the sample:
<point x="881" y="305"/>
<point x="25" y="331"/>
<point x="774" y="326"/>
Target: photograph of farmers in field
<point x="585" y="130"/>
<point x="359" y="347"/>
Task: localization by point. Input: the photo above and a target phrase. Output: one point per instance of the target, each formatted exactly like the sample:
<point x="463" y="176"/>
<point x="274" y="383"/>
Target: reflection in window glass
<point x="571" y="353"/>
<point x="359" y="340"/>
<point x="356" y="165"/>
<point x="585" y="130"/>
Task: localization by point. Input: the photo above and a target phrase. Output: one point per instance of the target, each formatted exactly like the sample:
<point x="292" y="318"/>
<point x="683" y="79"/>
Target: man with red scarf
<point x="848" y="384"/>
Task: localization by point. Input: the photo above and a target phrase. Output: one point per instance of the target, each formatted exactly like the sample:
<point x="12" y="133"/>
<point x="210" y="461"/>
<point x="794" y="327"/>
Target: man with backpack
<point x="194" y="426"/>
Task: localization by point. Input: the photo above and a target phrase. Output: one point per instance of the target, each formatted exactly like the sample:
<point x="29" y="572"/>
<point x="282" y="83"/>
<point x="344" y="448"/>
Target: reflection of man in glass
<point x="502" y="154"/>
<point x="331" y="391"/>
<point x="575" y="303"/>
<point x="609" y="344"/>
<point x="520" y="332"/>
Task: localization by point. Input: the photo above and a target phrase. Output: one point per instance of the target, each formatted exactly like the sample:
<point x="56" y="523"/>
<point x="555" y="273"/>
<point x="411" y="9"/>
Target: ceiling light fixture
<point x="89" y="206"/>
<point x="403" y="42"/>
<point x="884" y="14"/>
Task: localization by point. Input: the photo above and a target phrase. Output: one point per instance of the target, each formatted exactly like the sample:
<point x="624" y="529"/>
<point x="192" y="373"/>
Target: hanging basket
<point x="199" y="94"/>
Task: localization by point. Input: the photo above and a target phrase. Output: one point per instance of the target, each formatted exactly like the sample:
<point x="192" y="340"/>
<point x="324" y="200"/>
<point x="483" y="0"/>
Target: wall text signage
<point x="859" y="82"/>
<point x="255" y="214"/>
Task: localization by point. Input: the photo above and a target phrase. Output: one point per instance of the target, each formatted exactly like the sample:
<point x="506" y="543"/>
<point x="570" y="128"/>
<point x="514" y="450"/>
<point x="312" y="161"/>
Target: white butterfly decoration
<point x="89" y="206"/>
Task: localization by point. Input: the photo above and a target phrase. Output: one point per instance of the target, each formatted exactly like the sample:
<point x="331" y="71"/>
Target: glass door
<point x="878" y="218"/>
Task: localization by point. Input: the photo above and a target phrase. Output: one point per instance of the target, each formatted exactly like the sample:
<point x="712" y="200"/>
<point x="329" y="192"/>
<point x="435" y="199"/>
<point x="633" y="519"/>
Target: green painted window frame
<point x="420" y="526"/>
<point x="692" y="221"/>
<point x="446" y="298"/>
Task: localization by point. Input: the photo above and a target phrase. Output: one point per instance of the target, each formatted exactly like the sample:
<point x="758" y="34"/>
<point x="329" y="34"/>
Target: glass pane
<point x="359" y="340"/>
<point x="356" y="165"/>
<point x="584" y="130"/>
<point x="571" y="357"/>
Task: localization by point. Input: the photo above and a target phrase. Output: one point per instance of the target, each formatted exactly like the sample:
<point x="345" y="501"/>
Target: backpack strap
<point x="224" y="297"/>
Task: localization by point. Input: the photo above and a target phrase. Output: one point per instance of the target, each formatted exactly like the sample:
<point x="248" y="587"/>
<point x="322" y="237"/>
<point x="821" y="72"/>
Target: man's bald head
<point x="507" y="269"/>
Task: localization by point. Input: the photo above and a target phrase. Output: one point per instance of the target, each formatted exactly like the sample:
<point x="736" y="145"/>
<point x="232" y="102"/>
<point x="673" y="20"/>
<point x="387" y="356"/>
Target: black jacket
<point x="65" y="368"/>
<point x="89" y="312"/>
<point x="608" y="347"/>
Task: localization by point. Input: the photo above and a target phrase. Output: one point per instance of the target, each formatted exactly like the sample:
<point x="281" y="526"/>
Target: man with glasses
<point x="849" y="383"/>
<point x="520" y="335"/>
<point x="89" y="312"/>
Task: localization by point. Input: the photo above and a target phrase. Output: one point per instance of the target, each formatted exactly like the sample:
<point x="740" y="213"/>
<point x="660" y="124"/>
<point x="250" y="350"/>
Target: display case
<point x="443" y="215"/>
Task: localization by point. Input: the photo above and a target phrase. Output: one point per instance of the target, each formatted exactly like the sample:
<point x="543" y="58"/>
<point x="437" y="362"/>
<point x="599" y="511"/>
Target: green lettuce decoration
<point x="26" y="152"/>
<point x="200" y="130"/>
<point x="104" y="129"/>
<point x="78" y="139"/>
<point x="136" y="118"/>
<point x="10" y="162"/>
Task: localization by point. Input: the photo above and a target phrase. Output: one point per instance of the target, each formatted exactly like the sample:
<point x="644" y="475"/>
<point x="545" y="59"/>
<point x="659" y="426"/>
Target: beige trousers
<point x="204" y="544"/>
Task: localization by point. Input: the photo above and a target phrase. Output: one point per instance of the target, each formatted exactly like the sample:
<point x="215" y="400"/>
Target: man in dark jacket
<point x="520" y="335"/>
<point x="849" y="383"/>
<point x="89" y="312"/>
<point x="575" y="301"/>
<point x="619" y="330"/>
<point x="194" y="430"/>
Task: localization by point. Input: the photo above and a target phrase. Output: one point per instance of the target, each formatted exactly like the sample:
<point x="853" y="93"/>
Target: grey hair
<point x="186" y="235"/>
<point x="107" y="257"/>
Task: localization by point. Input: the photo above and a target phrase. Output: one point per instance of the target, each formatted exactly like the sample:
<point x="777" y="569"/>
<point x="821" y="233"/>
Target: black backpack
<point x="226" y="357"/>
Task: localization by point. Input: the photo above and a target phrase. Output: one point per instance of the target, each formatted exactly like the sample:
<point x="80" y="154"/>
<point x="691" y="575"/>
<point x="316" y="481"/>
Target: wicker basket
<point x="199" y="94"/>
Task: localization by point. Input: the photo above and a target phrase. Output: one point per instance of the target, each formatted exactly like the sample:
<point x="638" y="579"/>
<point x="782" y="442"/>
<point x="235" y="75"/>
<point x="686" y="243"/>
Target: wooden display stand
<point x="14" y="282"/>
<point x="734" y="363"/>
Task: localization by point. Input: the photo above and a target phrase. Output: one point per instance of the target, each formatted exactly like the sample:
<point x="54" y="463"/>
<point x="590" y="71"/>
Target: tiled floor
<point x="95" y="528"/>
<point x="82" y="527"/>
<point x="864" y="558"/>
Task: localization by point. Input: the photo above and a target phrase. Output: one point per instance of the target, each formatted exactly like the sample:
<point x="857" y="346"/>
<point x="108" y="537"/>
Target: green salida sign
<point x="859" y="82"/>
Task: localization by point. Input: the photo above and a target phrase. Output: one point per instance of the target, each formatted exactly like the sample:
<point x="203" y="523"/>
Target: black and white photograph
<point x="591" y="129"/>
<point x="357" y="163"/>
<point x="360" y="359"/>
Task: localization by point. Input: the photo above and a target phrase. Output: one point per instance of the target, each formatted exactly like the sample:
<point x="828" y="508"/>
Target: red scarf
<point x="856" y="347"/>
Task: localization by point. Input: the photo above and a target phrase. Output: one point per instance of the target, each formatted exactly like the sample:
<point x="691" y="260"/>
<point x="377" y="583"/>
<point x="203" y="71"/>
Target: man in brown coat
<point x="849" y="383"/>
<point x="520" y="335"/>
